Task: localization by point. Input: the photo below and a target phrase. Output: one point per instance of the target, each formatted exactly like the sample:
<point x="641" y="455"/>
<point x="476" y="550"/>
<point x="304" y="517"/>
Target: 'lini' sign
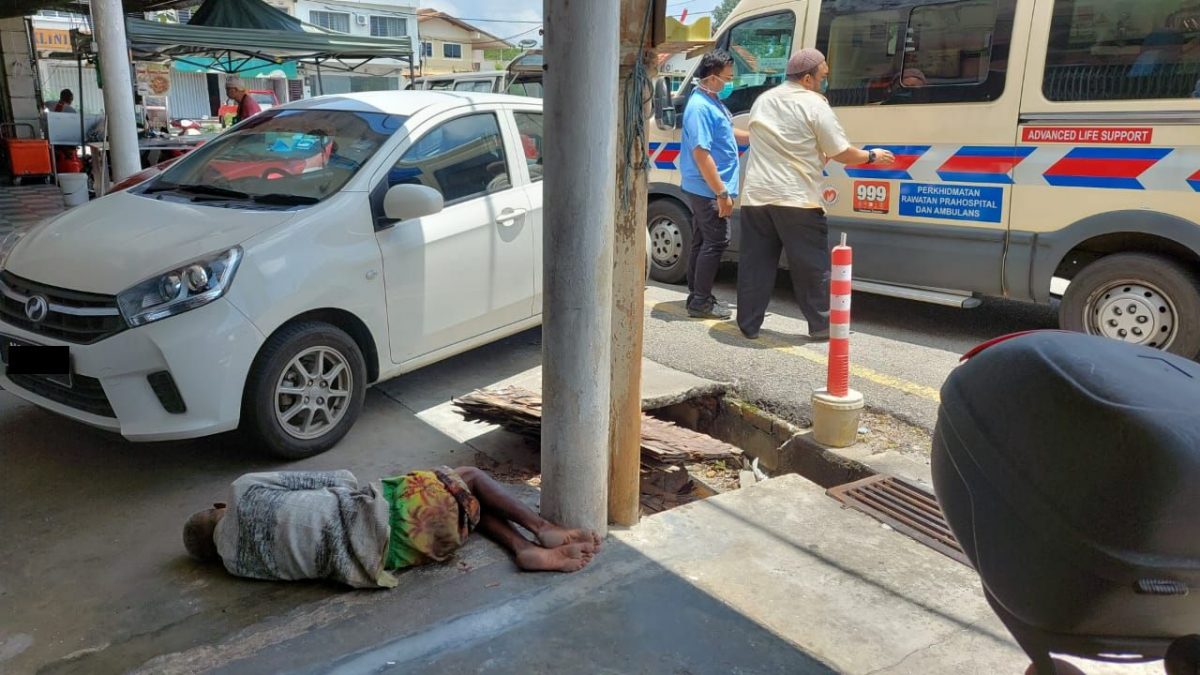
<point x="1110" y="135"/>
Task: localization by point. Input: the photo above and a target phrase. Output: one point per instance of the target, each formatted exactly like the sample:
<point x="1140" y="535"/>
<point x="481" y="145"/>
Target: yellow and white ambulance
<point x="1044" y="148"/>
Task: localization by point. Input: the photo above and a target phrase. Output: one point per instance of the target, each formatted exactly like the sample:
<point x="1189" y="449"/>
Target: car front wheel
<point x="1137" y="298"/>
<point x="305" y="390"/>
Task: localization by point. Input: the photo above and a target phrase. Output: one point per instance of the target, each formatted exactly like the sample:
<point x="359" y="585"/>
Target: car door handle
<point x="509" y="217"/>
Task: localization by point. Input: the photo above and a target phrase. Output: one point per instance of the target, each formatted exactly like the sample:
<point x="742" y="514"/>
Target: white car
<point x="266" y="279"/>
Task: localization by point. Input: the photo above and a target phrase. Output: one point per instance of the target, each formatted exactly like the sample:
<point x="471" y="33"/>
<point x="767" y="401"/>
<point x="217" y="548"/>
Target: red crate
<point x="29" y="157"/>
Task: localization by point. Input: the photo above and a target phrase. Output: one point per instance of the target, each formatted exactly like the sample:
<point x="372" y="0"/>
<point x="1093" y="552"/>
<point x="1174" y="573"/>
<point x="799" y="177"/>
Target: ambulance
<point x="1044" y="149"/>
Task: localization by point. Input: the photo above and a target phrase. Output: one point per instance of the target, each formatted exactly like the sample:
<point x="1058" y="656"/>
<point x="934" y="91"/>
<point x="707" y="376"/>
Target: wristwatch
<point x="723" y="195"/>
<point x="870" y="157"/>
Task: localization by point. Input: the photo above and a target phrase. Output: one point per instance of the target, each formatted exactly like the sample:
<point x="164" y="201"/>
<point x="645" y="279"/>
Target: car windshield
<point x="264" y="99"/>
<point x="281" y="156"/>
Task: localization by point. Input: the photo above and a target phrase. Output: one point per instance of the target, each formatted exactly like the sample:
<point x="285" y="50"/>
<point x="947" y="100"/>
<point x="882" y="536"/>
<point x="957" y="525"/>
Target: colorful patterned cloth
<point x="431" y="515"/>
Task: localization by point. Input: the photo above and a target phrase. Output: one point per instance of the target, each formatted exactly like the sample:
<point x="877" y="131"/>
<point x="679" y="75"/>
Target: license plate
<point x="23" y="358"/>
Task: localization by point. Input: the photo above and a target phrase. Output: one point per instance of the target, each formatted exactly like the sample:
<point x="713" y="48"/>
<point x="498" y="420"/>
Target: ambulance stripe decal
<point x="906" y="156"/>
<point x="983" y="164"/>
<point x="1114" y="168"/>
<point x="1194" y="181"/>
<point x="666" y="158"/>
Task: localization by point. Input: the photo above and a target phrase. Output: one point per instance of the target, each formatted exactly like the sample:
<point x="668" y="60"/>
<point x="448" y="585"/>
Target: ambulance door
<point x="938" y="84"/>
<point x="1110" y="121"/>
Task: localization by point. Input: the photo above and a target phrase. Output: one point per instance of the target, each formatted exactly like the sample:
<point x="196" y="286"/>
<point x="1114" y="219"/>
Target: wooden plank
<point x="520" y="410"/>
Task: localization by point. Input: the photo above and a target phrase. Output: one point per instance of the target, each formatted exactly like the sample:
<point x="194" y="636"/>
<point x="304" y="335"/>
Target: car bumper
<point x="207" y="353"/>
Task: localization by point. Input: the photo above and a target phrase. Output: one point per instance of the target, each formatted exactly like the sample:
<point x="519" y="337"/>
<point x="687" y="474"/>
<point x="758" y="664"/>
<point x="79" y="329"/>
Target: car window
<point x="529" y="125"/>
<point x="462" y="158"/>
<point x="483" y="86"/>
<point x="304" y="154"/>
<point x="264" y="99"/>
<point x="440" y="85"/>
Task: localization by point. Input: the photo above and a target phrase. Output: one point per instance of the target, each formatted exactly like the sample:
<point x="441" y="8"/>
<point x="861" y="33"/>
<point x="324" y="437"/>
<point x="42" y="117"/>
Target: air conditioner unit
<point x="360" y="19"/>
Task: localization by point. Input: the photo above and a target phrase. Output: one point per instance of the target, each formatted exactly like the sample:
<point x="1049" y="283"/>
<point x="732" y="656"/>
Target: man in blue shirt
<point x="708" y="162"/>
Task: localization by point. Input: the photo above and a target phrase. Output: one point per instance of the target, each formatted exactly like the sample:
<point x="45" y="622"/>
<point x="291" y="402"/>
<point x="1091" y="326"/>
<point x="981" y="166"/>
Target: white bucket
<point x="74" y="188"/>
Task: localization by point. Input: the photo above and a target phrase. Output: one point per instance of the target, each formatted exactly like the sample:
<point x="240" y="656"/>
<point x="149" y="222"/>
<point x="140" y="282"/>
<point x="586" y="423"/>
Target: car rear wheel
<point x="1137" y="298"/>
<point x="670" y="228"/>
<point x="305" y="391"/>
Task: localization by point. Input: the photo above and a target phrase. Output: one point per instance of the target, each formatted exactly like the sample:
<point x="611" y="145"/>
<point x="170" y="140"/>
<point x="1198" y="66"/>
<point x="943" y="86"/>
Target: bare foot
<point x="568" y="558"/>
<point x="555" y="536"/>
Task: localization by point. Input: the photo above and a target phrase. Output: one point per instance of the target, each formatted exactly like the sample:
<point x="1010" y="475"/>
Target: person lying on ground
<point x="290" y="525"/>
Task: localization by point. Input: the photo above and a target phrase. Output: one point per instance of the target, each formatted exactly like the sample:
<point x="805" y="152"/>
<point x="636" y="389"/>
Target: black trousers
<point x="804" y="235"/>
<point x="710" y="238"/>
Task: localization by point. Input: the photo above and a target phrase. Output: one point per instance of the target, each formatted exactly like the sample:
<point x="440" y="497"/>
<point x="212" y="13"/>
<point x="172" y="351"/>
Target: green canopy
<point x="151" y="40"/>
<point x="242" y="66"/>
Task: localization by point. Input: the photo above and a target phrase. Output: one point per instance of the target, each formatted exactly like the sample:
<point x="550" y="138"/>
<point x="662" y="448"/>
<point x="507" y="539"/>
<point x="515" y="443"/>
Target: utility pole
<point x="581" y="49"/>
<point x="108" y="21"/>
<point x="629" y="262"/>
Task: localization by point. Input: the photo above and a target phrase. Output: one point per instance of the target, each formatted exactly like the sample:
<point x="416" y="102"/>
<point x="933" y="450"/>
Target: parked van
<point x="521" y="77"/>
<point x="482" y="82"/>
<point x="1043" y="148"/>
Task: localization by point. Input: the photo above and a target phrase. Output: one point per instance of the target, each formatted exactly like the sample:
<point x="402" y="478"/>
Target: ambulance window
<point x="864" y="46"/>
<point x="1110" y="50"/>
<point x="760" y="48"/>
<point x="955" y="52"/>
<point x="919" y="52"/>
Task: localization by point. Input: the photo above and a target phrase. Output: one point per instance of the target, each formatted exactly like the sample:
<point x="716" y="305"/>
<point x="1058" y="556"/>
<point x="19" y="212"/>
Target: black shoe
<point x="710" y="311"/>
<point x="750" y="336"/>
<point x="819" y="335"/>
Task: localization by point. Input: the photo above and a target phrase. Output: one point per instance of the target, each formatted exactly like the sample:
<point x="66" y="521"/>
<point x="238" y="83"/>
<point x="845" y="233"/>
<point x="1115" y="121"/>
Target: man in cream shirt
<point x="793" y="132"/>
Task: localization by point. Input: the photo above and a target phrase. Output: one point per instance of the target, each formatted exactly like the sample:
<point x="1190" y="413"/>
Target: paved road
<point x="902" y="351"/>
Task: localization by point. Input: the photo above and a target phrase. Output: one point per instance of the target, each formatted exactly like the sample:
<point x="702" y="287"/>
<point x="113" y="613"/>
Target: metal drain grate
<point x="905" y="507"/>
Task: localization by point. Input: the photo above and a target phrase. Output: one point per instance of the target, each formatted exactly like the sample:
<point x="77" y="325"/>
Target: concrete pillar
<point x="108" y="24"/>
<point x="581" y="49"/>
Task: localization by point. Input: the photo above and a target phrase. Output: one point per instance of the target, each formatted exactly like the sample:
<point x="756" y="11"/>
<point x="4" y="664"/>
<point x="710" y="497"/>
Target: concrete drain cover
<point x="903" y="506"/>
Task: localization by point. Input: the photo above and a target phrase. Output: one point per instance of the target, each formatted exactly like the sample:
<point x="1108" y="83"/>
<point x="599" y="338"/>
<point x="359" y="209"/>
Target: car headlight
<point x="191" y="285"/>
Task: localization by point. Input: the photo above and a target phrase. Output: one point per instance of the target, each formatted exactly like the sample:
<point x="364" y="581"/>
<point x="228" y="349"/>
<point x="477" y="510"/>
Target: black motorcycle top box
<point x="1068" y="467"/>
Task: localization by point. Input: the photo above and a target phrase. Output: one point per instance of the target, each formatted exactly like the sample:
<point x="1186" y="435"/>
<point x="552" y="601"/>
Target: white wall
<point x="397" y="9"/>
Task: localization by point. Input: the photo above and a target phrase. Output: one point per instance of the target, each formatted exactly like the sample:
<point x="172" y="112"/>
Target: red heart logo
<point x="830" y="195"/>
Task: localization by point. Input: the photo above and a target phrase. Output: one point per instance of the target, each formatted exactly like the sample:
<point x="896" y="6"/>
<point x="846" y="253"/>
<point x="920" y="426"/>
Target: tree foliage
<point x="722" y="12"/>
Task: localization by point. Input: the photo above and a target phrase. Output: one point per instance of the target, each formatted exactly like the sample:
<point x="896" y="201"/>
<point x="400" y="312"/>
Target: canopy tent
<point x="151" y="40"/>
<point x="245" y="67"/>
<point x="250" y="37"/>
<point x="247" y="14"/>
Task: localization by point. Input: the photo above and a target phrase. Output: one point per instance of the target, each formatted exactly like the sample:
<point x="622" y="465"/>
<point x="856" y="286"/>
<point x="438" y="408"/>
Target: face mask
<point x="723" y="93"/>
<point x="825" y="85"/>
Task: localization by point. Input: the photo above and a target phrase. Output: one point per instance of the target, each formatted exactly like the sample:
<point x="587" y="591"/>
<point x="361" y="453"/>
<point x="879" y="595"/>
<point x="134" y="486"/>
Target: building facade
<point x="451" y="45"/>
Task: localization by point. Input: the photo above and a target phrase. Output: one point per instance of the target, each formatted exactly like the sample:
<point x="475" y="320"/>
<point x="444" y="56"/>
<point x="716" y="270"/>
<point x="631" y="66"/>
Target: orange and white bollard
<point x="837" y="408"/>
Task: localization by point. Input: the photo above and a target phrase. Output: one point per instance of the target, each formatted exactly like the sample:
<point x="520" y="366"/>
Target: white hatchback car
<point x="267" y="278"/>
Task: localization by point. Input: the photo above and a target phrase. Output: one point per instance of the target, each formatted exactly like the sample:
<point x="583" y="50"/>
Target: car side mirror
<point x="664" y="106"/>
<point x="407" y="201"/>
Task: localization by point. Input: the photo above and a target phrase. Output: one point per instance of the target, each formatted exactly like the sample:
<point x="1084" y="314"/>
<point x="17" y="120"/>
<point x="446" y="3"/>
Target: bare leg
<point x="494" y="499"/>
<point x="531" y="557"/>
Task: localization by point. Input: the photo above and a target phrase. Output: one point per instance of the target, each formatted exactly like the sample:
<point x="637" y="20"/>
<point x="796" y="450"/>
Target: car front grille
<point x="73" y="316"/>
<point x="86" y="394"/>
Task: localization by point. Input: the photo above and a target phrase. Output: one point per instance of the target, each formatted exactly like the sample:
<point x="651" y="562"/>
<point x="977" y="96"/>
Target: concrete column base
<point x="836" y="418"/>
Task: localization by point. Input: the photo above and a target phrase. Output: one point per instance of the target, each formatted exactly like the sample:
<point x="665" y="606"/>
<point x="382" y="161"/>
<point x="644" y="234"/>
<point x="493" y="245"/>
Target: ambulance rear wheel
<point x="670" y="240"/>
<point x="1138" y="298"/>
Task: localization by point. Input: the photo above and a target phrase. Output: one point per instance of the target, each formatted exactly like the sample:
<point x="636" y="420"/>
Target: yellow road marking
<point x="775" y="344"/>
